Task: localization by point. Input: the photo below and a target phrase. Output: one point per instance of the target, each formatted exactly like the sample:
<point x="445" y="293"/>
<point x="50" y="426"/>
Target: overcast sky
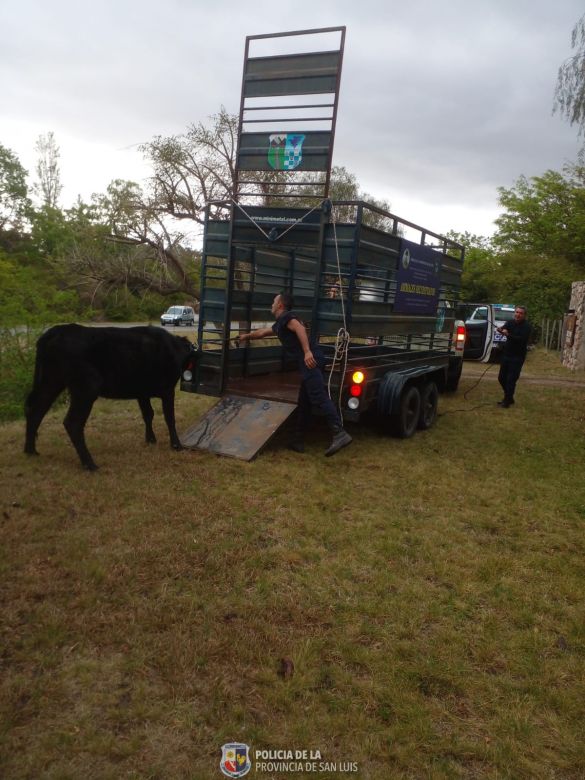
<point x="441" y="101"/>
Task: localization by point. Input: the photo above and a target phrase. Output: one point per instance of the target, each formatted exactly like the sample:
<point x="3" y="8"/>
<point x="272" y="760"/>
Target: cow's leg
<point x="74" y="422"/>
<point x="168" y="405"/>
<point x="147" y="415"/>
<point x="38" y="403"/>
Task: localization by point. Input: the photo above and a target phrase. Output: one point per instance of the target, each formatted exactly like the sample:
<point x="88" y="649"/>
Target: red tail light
<point x="460" y="337"/>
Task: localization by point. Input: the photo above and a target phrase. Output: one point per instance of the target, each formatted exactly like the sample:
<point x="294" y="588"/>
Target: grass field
<point x="415" y="607"/>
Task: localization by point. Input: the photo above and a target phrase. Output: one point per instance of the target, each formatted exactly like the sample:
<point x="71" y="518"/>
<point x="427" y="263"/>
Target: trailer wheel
<point x="405" y="421"/>
<point x="429" y="400"/>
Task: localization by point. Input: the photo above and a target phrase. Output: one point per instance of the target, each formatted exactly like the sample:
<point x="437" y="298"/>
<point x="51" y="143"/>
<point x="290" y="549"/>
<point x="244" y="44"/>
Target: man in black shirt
<point x="311" y="363"/>
<point x="517" y="333"/>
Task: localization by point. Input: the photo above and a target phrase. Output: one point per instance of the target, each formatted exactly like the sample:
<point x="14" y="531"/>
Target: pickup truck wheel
<point x="454" y="375"/>
<point x="429" y="401"/>
<point x="405" y="421"/>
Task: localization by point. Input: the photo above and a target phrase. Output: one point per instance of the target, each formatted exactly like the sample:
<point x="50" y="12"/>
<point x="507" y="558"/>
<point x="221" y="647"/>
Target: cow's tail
<point x="38" y="374"/>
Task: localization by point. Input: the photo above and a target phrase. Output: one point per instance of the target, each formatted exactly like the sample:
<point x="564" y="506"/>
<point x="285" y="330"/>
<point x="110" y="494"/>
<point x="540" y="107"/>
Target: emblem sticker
<point x="285" y="151"/>
<point x="235" y="759"/>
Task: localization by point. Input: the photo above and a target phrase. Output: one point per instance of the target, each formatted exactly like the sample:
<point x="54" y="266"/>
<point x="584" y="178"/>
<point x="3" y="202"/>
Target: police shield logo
<point x="276" y="146"/>
<point x="285" y="151"/>
<point x="235" y="759"/>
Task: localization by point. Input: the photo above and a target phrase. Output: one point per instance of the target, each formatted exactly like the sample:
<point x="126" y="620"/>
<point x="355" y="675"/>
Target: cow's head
<point x="186" y="351"/>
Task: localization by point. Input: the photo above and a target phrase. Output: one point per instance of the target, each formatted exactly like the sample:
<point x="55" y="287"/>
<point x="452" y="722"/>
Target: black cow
<point x="140" y="363"/>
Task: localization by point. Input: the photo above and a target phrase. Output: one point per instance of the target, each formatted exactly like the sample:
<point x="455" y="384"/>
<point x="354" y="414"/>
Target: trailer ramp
<point x="238" y="426"/>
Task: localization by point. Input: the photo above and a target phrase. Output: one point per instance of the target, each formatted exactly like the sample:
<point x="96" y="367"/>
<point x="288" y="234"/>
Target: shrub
<point x="17" y="363"/>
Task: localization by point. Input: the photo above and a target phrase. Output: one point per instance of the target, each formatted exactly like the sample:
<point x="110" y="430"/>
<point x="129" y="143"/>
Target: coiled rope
<point x="341" y="350"/>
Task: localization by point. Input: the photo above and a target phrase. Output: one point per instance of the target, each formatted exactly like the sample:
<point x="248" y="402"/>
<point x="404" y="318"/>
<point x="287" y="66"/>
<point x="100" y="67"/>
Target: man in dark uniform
<point x="311" y="362"/>
<point x="517" y="333"/>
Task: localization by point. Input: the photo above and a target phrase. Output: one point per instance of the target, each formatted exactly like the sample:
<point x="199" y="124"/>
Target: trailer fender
<point x="391" y="388"/>
<point x="393" y="384"/>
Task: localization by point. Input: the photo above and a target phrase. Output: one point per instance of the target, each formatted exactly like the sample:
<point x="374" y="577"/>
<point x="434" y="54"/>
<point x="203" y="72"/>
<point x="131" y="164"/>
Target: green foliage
<point x="545" y="215"/>
<point x="48" y="186"/>
<point x="17" y="360"/>
<point x="29" y="296"/>
<point x="540" y="282"/>
<point x="14" y="202"/>
<point x="120" y="305"/>
<point x="345" y="186"/>
<point x="51" y="235"/>
<point x="481" y="268"/>
<point x="570" y="89"/>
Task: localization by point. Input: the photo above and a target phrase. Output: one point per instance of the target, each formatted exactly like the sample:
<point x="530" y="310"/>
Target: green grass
<point x="429" y="593"/>
<point x="547" y="362"/>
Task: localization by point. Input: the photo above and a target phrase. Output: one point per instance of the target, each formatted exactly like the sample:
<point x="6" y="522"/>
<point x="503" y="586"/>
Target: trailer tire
<point x="404" y="423"/>
<point x="429" y="401"/>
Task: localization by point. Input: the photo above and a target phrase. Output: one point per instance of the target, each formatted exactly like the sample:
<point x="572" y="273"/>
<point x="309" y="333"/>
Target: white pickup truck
<point x="483" y="342"/>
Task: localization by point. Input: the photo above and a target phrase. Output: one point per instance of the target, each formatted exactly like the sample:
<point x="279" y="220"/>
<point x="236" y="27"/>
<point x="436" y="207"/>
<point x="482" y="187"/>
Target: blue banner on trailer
<point x="417" y="280"/>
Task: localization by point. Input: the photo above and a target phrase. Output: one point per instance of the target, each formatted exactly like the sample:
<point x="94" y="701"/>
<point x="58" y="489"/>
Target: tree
<point x="48" y="187"/>
<point x="481" y="270"/>
<point x="193" y="169"/>
<point x="135" y="220"/>
<point x="545" y="215"/>
<point x="344" y="186"/>
<point x="570" y="89"/>
<point x="539" y="245"/>
<point x="542" y="283"/>
<point x="14" y="202"/>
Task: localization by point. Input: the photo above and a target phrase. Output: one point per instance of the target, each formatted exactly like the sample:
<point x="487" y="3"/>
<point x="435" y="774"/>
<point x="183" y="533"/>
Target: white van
<point x="178" y="315"/>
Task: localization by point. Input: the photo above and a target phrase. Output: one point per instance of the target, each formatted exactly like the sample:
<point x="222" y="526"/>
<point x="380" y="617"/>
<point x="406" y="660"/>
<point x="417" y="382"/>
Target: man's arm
<point x="300" y="332"/>
<point x="505" y="328"/>
<point x="260" y="333"/>
<point x="520" y="334"/>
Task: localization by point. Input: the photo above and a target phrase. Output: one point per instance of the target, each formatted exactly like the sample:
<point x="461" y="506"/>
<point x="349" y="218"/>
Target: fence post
<point x="552" y="334"/>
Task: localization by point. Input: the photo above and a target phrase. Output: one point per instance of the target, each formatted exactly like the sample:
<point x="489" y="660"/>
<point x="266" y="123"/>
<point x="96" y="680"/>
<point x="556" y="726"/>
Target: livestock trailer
<point x="377" y="291"/>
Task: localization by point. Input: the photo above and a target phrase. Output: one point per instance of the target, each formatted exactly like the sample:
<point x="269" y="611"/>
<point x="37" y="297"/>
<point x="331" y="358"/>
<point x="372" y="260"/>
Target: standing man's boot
<point x="341" y="438"/>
